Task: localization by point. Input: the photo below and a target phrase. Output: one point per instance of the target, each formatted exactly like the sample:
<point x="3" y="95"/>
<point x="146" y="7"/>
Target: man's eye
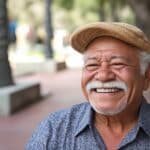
<point x="118" y="65"/>
<point x="91" y="67"/>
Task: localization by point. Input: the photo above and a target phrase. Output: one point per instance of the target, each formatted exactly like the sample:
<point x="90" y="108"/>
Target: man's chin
<point x="109" y="111"/>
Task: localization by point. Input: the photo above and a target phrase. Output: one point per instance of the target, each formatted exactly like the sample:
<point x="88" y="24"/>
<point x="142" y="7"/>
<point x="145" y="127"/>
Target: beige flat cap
<point x="130" y="34"/>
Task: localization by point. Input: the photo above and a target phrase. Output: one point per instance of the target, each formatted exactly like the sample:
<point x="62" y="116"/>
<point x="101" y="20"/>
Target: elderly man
<point x="116" y="72"/>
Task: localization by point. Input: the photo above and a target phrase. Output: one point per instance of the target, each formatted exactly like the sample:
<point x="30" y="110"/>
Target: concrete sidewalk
<point x="61" y="90"/>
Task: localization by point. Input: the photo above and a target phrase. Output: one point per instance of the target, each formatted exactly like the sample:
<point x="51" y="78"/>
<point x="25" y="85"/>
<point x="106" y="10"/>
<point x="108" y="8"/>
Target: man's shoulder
<point x="66" y="116"/>
<point x="57" y="125"/>
<point x="145" y="109"/>
<point x="72" y="113"/>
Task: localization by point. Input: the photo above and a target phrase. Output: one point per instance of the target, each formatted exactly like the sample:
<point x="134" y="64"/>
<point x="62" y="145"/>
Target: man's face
<point x="108" y="60"/>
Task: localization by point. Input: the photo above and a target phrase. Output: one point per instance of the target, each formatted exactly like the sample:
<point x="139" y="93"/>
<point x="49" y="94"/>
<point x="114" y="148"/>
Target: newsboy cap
<point x="130" y="34"/>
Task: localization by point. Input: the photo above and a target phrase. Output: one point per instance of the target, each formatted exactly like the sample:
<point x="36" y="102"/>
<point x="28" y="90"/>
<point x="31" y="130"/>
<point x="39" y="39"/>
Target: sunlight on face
<point x="110" y="60"/>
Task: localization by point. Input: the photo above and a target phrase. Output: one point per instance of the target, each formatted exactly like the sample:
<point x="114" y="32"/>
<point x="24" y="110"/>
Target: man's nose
<point x="104" y="73"/>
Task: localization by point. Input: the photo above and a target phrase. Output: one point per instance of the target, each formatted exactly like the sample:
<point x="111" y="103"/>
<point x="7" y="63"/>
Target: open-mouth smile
<point x="106" y="90"/>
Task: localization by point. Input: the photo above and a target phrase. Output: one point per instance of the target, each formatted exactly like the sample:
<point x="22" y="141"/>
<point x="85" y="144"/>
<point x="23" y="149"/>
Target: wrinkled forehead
<point x="105" y="56"/>
<point x="110" y="47"/>
<point x="111" y="54"/>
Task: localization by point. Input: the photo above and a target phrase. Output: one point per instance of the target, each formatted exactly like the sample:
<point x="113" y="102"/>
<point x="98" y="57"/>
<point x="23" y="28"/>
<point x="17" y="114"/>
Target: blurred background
<point x="39" y="71"/>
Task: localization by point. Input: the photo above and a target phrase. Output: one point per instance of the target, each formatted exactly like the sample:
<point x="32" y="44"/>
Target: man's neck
<point x="114" y="128"/>
<point x="116" y="123"/>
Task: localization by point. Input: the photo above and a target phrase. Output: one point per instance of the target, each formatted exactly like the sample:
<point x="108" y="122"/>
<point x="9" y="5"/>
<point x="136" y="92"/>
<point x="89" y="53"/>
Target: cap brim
<point x="82" y="37"/>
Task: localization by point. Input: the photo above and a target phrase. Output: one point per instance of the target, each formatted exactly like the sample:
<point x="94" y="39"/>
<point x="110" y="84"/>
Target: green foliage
<point x="70" y="13"/>
<point x="67" y="4"/>
<point x="85" y="6"/>
<point x="23" y="10"/>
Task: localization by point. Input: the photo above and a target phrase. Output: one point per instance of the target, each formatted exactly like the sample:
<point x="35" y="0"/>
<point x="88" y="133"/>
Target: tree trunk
<point x="102" y="14"/>
<point x="142" y="12"/>
<point x="114" y="10"/>
<point x="49" y="30"/>
<point x="5" y="70"/>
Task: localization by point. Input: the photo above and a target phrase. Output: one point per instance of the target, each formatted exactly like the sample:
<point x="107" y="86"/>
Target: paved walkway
<point x="61" y="89"/>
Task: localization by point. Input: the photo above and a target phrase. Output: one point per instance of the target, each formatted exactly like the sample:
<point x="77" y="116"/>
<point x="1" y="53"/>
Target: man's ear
<point x="147" y="78"/>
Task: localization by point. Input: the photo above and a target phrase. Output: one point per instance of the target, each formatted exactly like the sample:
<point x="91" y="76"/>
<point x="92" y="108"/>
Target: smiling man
<point x="115" y="74"/>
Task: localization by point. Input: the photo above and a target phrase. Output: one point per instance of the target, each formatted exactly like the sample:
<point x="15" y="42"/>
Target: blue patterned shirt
<point x="72" y="129"/>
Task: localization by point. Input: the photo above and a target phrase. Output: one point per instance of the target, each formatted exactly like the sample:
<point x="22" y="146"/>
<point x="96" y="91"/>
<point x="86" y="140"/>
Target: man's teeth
<point x="106" y="90"/>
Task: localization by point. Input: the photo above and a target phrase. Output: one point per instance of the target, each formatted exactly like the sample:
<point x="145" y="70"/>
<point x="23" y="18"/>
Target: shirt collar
<point x="144" y="119"/>
<point x="86" y="119"/>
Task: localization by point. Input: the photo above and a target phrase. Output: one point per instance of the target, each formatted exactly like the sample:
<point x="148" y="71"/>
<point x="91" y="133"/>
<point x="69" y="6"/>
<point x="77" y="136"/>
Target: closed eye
<point x="91" y="67"/>
<point x="118" y="65"/>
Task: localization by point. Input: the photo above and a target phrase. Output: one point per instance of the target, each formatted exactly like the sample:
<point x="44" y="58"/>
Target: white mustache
<point x="111" y="84"/>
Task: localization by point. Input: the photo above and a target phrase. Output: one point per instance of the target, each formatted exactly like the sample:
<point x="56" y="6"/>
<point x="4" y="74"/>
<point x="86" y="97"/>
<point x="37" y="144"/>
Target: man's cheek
<point x="85" y="92"/>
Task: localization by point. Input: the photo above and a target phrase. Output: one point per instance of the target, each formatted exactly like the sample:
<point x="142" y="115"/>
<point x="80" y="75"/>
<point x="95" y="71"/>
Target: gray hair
<point x="144" y="61"/>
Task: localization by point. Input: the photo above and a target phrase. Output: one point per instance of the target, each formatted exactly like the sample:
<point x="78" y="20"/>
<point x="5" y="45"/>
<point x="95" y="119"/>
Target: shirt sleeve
<point x="40" y="137"/>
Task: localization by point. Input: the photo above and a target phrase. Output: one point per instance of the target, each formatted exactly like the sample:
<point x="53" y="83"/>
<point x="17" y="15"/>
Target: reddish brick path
<point x="62" y="89"/>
